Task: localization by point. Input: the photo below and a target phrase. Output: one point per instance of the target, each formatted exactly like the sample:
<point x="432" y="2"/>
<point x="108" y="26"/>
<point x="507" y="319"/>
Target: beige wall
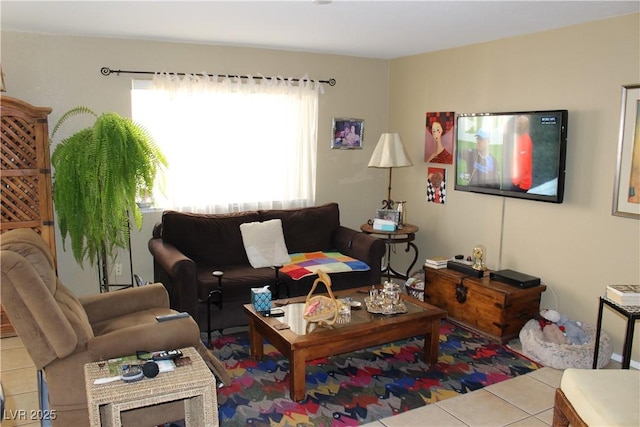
<point x="577" y="248"/>
<point x="63" y="72"/>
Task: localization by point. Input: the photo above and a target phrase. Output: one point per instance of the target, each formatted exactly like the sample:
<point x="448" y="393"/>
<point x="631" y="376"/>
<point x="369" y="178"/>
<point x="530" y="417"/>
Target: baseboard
<point x="618" y="358"/>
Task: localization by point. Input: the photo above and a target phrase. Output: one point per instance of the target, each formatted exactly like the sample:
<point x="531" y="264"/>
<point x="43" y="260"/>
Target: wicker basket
<point x="320" y="308"/>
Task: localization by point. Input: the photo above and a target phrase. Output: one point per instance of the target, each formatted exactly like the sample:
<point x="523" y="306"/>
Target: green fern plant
<point x="99" y="172"/>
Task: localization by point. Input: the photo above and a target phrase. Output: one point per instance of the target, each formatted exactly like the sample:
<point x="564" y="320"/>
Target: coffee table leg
<point x="432" y="342"/>
<point x="256" y="341"/>
<point x="297" y="380"/>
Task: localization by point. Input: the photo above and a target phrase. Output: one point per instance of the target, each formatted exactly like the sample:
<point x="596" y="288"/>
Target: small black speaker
<point x="150" y="369"/>
<point x="464" y="268"/>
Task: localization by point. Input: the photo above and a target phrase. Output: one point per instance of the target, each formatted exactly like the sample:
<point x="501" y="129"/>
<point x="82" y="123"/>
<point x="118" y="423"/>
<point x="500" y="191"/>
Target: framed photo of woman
<point x="438" y="139"/>
<point x="347" y="134"/>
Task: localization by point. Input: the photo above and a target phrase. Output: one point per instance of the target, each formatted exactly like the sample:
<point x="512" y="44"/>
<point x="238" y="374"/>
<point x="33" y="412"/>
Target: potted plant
<point x="99" y="173"/>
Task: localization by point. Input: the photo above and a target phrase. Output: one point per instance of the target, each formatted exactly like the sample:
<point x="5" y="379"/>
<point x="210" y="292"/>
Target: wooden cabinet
<point x="26" y="175"/>
<point x="491" y="308"/>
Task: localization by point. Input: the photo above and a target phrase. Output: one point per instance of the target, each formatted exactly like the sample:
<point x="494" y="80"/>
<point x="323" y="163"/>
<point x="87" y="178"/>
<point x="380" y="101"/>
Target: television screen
<point x="516" y="154"/>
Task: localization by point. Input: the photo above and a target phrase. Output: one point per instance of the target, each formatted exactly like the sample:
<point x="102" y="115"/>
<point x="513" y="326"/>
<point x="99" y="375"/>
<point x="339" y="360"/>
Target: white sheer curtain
<point x="232" y="144"/>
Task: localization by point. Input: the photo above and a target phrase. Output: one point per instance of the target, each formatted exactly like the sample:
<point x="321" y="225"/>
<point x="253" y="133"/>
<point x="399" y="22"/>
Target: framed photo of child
<point x="389" y="215"/>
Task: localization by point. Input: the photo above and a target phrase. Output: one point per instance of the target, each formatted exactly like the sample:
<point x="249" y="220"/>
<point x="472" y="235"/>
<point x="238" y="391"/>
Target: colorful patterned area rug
<point x="359" y="387"/>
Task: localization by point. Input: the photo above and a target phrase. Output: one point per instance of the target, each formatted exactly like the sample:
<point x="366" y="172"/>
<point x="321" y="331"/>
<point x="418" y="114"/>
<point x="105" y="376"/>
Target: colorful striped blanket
<point x="307" y="264"/>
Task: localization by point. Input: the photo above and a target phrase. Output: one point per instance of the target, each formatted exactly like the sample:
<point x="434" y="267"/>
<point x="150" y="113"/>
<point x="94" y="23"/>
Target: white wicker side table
<point x="194" y="384"/>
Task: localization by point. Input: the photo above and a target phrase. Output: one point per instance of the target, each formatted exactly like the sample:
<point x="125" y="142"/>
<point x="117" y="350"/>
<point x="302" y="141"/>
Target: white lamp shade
<point x="389" y="153"/>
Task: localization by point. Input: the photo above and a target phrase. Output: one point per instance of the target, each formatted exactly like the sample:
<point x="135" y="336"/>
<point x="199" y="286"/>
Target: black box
<point x="464" y="268"/>
<point x="515" y="278"/>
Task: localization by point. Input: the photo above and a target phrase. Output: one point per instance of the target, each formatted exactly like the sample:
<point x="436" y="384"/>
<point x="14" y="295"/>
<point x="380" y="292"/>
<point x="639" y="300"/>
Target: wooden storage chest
<point x="489" y="307"/>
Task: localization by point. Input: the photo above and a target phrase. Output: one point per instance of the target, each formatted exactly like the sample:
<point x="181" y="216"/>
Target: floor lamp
<point x="389" y="153"/>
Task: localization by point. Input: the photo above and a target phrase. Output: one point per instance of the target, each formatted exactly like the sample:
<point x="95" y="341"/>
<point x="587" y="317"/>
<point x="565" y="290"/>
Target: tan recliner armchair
<point x="62" y="332"/>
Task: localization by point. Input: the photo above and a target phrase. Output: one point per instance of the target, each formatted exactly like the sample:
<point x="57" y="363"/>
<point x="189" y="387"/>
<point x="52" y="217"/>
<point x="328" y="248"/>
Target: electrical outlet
<point x="118" y="268"/>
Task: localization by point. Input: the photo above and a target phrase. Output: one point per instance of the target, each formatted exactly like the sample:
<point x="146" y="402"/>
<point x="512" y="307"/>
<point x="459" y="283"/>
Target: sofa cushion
<point x="307" y="229"/>
<point x="264" y="243"/>
<point x="214" y="240"/>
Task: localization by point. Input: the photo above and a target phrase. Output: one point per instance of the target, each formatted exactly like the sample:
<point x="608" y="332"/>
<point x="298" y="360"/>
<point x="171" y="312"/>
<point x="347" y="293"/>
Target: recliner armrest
<point x="154" y="336"/>
<point x="100" y="307"/>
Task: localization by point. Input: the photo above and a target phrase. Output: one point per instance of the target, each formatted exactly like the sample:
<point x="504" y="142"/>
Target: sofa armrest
<point x="156" y="233"/>
<point x="100" y="307"/>
<point x="182" y="271"/>
<point x="359" y="245"/>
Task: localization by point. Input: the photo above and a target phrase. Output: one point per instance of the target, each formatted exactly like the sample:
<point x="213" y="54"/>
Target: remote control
<point x="166" y="317"/>
<point x="275" y="312"/>
<point x="167" y="355"/>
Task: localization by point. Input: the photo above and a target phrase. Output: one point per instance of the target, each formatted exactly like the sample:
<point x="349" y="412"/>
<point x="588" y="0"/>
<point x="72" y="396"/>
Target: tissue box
<point x="261" y="300"/>
<point x="384" y="225"/>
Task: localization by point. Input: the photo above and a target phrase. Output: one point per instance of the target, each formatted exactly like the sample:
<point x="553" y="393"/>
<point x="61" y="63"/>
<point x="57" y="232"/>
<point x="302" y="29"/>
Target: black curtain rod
<point x="105" y="71"/>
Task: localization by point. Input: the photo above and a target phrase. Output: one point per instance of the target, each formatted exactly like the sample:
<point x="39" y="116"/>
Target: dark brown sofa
<point x="188" y="247"/>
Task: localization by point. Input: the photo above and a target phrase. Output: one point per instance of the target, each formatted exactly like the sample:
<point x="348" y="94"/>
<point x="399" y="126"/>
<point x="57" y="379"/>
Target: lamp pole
<point x="388" y="204"/>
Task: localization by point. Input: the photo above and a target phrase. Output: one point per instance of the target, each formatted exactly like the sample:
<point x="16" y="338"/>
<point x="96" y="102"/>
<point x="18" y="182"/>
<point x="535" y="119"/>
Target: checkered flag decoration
<point x="436" y="195"/>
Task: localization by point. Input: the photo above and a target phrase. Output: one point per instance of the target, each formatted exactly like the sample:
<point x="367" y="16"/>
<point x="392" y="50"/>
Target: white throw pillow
<point x="264" y="243"/>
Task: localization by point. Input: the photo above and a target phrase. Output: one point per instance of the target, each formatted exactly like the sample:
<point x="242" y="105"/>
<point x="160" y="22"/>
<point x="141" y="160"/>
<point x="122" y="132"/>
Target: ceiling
<point x="373" y="29"/>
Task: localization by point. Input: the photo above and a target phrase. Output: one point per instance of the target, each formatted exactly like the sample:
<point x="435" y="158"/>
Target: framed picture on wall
<point x="439" y="135"/>
<point x="437" y="185"/>
<point x="626" y="194"/>
<point x="347" y="134"/>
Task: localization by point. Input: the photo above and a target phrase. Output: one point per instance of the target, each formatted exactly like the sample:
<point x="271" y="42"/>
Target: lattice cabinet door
<point x="25" y="173"/>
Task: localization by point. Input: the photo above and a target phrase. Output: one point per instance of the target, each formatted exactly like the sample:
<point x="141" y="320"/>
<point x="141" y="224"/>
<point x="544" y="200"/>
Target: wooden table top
<point x="406" y="229"/>
<point x="195" y="375"/>
<point x="302" y="333"/>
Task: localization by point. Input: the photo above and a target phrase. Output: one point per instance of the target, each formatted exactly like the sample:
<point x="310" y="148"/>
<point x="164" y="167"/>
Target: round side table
<point x="406" y="234"/>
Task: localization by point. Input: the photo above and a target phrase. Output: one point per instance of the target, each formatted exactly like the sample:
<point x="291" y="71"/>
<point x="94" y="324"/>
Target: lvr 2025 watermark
<point x="29" y="414"/>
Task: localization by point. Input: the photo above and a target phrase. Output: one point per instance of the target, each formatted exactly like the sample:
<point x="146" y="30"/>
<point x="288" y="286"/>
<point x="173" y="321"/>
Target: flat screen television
<point x="514" y="154"/>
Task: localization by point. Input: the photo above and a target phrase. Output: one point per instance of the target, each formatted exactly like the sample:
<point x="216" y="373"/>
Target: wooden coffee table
<point x="300" y="341"/>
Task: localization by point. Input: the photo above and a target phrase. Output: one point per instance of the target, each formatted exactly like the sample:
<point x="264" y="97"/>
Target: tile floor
<point x="523" y="401"/>
<point x="20" y="384"/>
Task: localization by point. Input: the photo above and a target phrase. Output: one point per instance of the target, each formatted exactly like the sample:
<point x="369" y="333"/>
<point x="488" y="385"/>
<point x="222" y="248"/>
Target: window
<point x="231" y="145"/>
